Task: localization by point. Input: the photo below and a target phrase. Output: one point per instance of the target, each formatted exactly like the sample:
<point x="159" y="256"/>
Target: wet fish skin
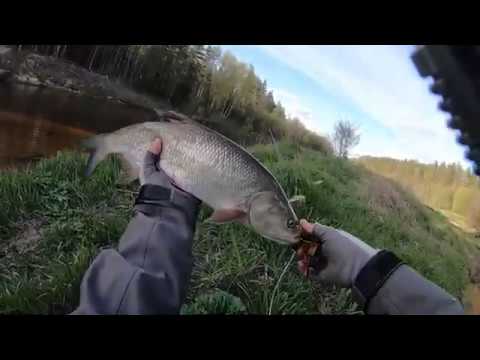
<point x="211" y="167"/>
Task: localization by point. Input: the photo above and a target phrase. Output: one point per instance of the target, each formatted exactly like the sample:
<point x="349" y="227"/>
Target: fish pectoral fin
<point x="242" y="220"/>
<point x="226" y="215"/>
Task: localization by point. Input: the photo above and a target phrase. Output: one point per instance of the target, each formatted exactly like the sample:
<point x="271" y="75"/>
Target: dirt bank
<point x="47" y="71"/>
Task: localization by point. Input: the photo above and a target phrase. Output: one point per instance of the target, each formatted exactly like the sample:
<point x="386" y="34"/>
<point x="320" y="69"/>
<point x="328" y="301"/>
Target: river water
<point x="37" y="122"/>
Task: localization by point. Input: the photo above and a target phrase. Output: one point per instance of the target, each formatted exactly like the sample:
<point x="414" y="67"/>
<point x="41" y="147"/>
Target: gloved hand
<point x="150" y="173"/>
<point x="344" y="254"/>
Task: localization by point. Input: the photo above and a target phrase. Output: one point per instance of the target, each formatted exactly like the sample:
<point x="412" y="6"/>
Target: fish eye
<point x="291" y="223"/>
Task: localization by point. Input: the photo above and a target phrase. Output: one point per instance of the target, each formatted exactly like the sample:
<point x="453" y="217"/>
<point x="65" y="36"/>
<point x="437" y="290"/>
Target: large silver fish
<point x="211" y="167"/>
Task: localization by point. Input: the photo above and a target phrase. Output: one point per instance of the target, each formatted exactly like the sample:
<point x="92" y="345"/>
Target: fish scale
<point x="208" y="165"/>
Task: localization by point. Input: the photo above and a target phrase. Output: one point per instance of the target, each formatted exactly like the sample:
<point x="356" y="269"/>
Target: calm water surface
<point x="37" y="122"/>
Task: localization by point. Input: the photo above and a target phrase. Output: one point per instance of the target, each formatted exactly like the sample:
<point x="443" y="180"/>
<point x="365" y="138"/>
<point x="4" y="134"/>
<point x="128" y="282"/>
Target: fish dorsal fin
<point x="226" y="215"/>
<point x="173" y="116"/>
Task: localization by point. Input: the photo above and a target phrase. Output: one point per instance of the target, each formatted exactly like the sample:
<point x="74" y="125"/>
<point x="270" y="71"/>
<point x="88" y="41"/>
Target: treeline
<point x="439" y="185"/>
<point x="198" y="80"/>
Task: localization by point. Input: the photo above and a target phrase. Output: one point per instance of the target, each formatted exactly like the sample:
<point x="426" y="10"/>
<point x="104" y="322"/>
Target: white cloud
<point x="294" y="107"/>
<point x="382" y="83"/>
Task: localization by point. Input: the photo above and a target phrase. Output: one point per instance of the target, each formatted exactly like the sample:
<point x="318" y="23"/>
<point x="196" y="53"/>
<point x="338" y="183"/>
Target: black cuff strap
<point x="152" y="195"/>
<point x="373" y="275"/>
<point x="154" y="200"/>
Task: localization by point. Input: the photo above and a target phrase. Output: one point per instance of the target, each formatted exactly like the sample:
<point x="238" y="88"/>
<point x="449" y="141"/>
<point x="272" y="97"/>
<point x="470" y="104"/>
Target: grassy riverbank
<point x="53" y="221"/>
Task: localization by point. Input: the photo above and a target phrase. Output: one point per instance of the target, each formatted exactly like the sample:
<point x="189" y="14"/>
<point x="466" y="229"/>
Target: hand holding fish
<point x="151" y="173"/>
<point x="336" y="257"/>
<point x="206" y="165"/>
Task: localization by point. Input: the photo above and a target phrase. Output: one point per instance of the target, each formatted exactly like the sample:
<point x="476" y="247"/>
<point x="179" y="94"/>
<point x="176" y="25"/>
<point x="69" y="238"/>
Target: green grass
<point x="235" y="271"/>
<point x="79" y="216"/>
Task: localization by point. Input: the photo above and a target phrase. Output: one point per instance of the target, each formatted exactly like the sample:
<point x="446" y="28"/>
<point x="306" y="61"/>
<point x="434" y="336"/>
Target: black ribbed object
<point x="456" y="74"/>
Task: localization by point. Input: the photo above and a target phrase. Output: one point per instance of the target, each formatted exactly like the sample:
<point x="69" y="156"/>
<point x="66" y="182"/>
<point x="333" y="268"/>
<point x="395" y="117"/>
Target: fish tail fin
<point x="98" y="149"/>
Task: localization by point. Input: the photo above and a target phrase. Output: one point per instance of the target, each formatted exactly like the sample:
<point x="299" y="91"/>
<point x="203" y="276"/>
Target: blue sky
<point x="375" y="87"/>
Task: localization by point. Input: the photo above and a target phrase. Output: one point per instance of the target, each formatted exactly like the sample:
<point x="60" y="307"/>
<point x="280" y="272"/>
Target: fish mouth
<point x="297" y="239"/>
<point x="292" y="240"/>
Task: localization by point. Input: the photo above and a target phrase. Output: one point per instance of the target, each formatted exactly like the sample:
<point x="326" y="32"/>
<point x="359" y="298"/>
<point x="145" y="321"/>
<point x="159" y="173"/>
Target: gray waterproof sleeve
<point x="407" y="292"/>
<point x="149" y="273"/>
